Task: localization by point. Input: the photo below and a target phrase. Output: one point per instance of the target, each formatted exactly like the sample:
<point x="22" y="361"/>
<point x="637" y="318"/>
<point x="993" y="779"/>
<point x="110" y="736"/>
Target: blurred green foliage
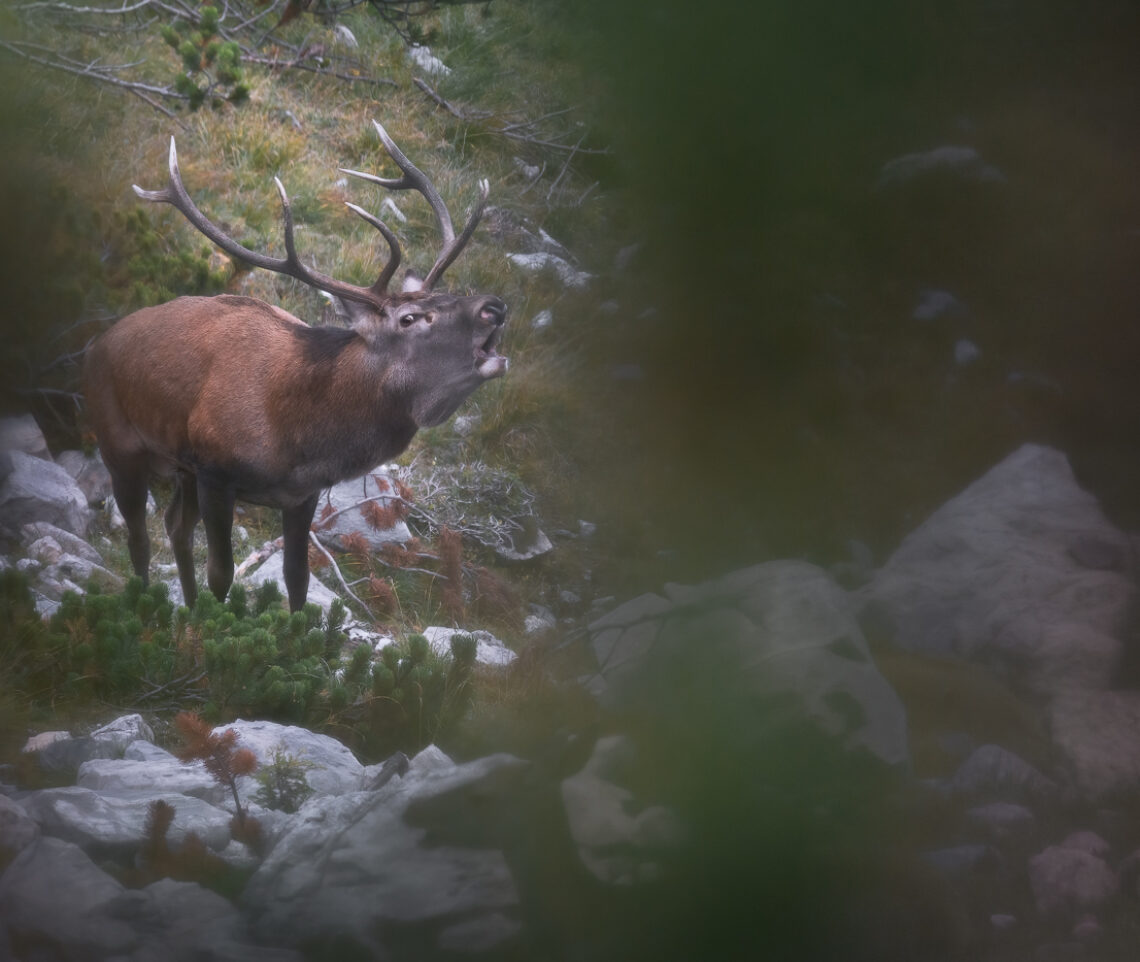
<point x="210" y="68"/>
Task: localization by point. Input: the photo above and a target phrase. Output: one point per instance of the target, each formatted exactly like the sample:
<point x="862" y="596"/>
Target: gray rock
<point x="489" y="650"/>
<point x="428" y="62"/>
<point x="539" y="621"/>
<point x="1068" y="881"/>
<point x="347" y="498"/>
<point x="351" y="868"/>
<point x="567" y="274"/>
<point x="167" y="775"/>
<point x="67" y="753"/>
<point x="144" y="751"/>
<point x="335" y="770"/>
<point x="89" y="473"/>
<point x="1098" y="735"/>
<point x="22" y="433"/>
<point x="124" y="730"/>
<point x="1003" y="820"/>
<point x="990" y="577"/>
<point x="18" y="830"/>
<point x="527" y="541"/>
<point x="273" y="569"/>
<point x="36" y="531"/>
<point x="617" y="847"/>
<point x="54" y="897"/>
<point x="79" y="571"/>
<point x="1086" y="841"/>
<point x="993" y="772"/>
<point x="33" y="489"/>
<point x="777" y="629"/>
<point x="100" y="822"/>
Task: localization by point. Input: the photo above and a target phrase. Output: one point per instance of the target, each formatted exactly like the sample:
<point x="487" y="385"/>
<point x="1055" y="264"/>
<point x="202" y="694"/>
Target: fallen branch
<point x="100" y="75"/>
<point x="274" y="63"/>
<point x="336" y="568"/>
<point x="513" y="131"/>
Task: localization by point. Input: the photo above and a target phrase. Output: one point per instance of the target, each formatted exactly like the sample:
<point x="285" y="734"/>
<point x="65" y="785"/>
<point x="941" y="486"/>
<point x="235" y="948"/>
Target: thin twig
<point x="509" y="130"/>
<point x="336" y="568"/>
<point x="68" y="8"/>
<point x="275" y="64"/>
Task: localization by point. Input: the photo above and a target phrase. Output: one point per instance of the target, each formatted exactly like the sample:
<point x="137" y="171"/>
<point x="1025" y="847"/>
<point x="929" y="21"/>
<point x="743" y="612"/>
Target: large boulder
<point x="330" y="767"/>
<point x="776" y="631"/>
<point x="352" y="871"/>
<point x="1098" y="736"/>
<point x="153" y="772"/>
<point x="54" y="902"/>
<point x="22" y="433"/>
<point x="32" y="489"/>
<point x="1022" y="571"/>
<point x="90" y="474"/>
<point x="619" y="839"/>
<point x="358" y="504"/>
<point x="115" y="824"/>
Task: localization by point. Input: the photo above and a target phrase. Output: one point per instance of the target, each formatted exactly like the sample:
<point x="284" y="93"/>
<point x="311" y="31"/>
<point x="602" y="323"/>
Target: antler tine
<point x="415" y="179"/>
<point x="176" y="195"/>
<point x="381" y="285"/>
<point x="451" y="251"/>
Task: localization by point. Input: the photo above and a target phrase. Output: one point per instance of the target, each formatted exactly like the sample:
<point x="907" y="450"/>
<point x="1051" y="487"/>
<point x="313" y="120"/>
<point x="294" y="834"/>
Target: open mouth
<point x="488" y="361"/>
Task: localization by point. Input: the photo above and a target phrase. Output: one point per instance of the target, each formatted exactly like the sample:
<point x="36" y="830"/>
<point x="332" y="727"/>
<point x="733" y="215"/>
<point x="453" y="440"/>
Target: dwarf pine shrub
<point x="247" y="656"/>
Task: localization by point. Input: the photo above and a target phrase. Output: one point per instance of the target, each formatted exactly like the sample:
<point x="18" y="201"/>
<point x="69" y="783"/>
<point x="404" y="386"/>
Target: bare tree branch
<point x="339" y="577"/>
<point x="515" y="130"/>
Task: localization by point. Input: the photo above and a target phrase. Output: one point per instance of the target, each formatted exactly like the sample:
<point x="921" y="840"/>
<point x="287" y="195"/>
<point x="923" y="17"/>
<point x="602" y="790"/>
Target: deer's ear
<point x="412" y="282"/>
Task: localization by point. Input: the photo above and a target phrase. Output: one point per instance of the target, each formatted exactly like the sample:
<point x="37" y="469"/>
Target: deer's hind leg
<point x="216" y="502"/>
<point x="129" y="485"/>
<point x="181" y="517"/>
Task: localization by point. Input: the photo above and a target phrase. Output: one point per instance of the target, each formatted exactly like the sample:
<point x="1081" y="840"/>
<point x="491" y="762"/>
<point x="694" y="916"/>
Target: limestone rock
<point x="1068" y="881"/>
<point x="22" y="433"/>
<point x="350" y="500"/>
<point x="1098" y="734"/>
<point x="777" y="629"/>
<point x="116" y="823"/>
<point x="335" y="769"/>
<point x="995" y="575"/>
<point x="350" y="869"/>
<point x="32" y="489"/>
<point x="54" y="897"/>
<point x="489" y="650"/>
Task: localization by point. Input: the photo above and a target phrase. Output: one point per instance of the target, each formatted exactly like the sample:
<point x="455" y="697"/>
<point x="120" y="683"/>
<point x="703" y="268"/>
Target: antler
<point x="175" y="194"/>
<point x="415" y="179"/>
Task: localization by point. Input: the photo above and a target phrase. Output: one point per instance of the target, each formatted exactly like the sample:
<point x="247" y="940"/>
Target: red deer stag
<point x="234" y="398"/>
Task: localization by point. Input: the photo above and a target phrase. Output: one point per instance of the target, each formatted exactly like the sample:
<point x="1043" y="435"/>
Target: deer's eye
<point x="409" y="319"/>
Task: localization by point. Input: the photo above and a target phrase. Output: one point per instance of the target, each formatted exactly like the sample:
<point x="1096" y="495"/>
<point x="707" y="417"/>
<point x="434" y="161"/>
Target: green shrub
<point x="210" y="69"/>
<point x="247" y="656"/>
<point x="410" y="697"/>
<point x="284" y="786"/>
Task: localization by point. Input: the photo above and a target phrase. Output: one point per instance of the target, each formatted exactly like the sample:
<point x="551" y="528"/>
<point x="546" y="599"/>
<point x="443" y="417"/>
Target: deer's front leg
<point x="295" y="523"/>
<point x="216" y="503"/>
